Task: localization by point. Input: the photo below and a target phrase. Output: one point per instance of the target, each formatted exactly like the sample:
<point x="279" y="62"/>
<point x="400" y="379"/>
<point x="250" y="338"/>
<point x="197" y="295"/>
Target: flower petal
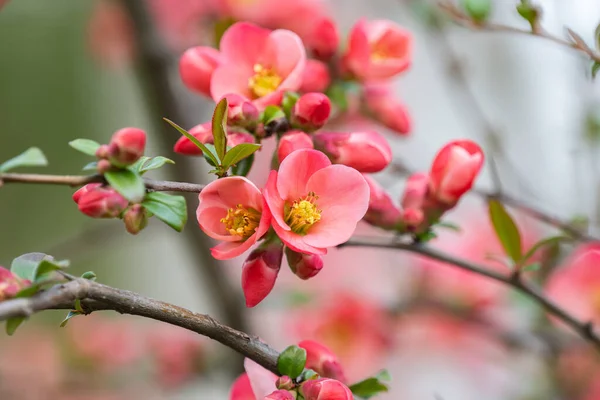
<point x="242" y="43"/>
<point x="228" y="79"/>
<point x="261" y="380"/>
<point x="274" y="201"/>
<point x="296" y="170"/>
<point x="297" y="242"/>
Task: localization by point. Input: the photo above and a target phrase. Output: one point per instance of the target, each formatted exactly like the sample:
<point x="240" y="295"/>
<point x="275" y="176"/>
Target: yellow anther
<point x="264" y="81"/>
<point x="303" y="213"/>
<point x="241" y="221"/>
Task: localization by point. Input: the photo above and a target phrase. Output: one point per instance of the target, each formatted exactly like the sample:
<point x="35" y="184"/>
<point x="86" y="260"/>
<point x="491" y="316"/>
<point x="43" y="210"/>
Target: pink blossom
<point x="280" y="395"/>
<point x="231" y="210"/>
<point x="325" y="389"/>
<point x="314" y="204"/>
<point x="203" y="132"/>
<point x="97" y="201"/>
<point x="454" y="170"/>
<point x="241" y="389"/>
<point x="382" y="211"/>
<point x="304" y="266"/>
<point x="258" y="64"/>
<point x="259" y="272"/>
<point x="292" y="141"/>
<point x="10" y="284"/>
<point x="381" y="104"/>
<point x="311" y="112"/>
<point x="321" y="359"/>
<point x="255" y="384"/>
<point x="414" y="200"/>
<point x="182" y="22"/>
<point x="366" y="151"/>
<point x="323" y="38"/>
<point x="316" y="77"/>
<point x="196" y="67"/>
<point x="126" y="146"/>
<point x="377" y="50"/>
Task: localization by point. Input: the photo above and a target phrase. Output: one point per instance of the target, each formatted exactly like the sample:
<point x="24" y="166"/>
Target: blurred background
<point x="72" y="69"/>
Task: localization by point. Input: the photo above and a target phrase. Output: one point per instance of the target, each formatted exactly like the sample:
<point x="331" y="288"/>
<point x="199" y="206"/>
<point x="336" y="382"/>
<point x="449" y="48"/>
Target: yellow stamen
<point x="302" y="214"/>
<point x="241" y="221"/>
<point x="264" y="81"/>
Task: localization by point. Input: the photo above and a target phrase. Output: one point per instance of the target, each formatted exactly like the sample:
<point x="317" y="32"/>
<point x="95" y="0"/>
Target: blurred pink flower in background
<point x="110" y="34"/>
<point x="381" y="104"/>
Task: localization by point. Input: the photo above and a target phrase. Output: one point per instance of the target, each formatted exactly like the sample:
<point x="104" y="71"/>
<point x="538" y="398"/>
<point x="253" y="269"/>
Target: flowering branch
<point x="584" y="329"/>
<point x="97" y="297"/>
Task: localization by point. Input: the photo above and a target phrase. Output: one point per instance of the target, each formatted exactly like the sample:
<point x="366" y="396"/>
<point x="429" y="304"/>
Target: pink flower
<point x="258" y="64"/>
<point x="259" y="272"/>
<point x="316" y="77"/>
<point x="321" y="359"/>
<point x="382" y="211"/>
<point x="110" y="35"/>
<point x="304" y="266"/>
<point x="414" y="200"/>
<point x="323" y="38"/>
<point x="241" y="389"/>
<point x="366" y="151"/>
<point x="454" y="170"/>
<point x="231" y="210"/>
<point x="203" y="133"/>
<point x="314" y="204"/>
<point x="325" y="389"/>
<point x="10" y="284"/>
<point x="311" y="112"/>
<point x="292" y="141"/>
<point x="256" y="384"/>
<point x="280" y="395"/>
<point x="382" y="106"/>
<point x="126" y="146"/>
<point x="97" y="201"/>
<point x="377" y="50"/>
<point x="196" y="67"/>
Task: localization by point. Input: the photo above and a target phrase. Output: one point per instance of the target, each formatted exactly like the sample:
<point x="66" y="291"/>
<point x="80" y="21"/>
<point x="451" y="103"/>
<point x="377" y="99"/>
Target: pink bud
<point x="135" y="219"/>
<point x="103" y="166"/>
<point x="324" y="39"/>
<point x="84" y="189"/>
<point x="102" y="151"/>
<point x="366" y="151"/>
<point x="202" y="132"/>
<point x="305" y="266"/>
<point x="382" y="211"/>
<point x="414" y="200"/>
<point x="311" y="111"/>
<point x="10" y="284"/>
<point x="322" y="360"/>
<point x="100" y="201"/>
<point x="280" y="395"/>
<point x="325" y="389"/>
<point x="234" y="138"/>
<point x="241" y="112"/>
<point x="291" y="141"/>
<point x="454" y="170"/>
<point x="126" y="146"/>
<point x="259" y="272"/>
<point x="315" y="77"/>
<point x="285" y="383"/>
<point x="196" y="67"/>
<point x="381" y="104"/>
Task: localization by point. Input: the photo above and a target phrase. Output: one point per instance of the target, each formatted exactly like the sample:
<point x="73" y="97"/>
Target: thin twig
<point x="96" y="297"/>
<point x="584" y="329"/>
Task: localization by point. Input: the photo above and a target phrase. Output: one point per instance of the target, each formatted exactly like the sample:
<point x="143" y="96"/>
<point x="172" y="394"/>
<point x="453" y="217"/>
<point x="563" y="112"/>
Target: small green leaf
<point x="595" y="69"/>
<point x="193" y="140"/>
<point x="337" y="93"/>
<point x="46" y="267"/>
<point x="271" y="114"/>
<point x="368" y="388"/>
<point x="291" y="361"/>
<point x="528" y="12"/>
<point x="289" y="101"/>
<point x="307" y="374"/>
<point x="219" y="128"/>
<point x="89" y="275"/>
<point x="25" y="265"/>
<point x="506" y="230"/>
<point x="32" y="157"/>
<point x="12" y="324"/>
<point x="478" y="10"/>
<point x="128" y="183"/>
<point x="532" y="267"/>
<point x="70" y="315"/>
<point x="78" y="306"/>
<point x="168" y="208"/>
<point x="448" y="225"/>
<point x="501" y="259"/>
<point x="384" y="375"/>
<point x="90" y="166"/>
<point x="543" y="243"/>
<point x="238" y="153"/>
<point x="86" y="146"/>
<point x="243" y="167"/>
<point x="425" y="237"/>
<point x="154" y="163"/>
<point x="136" y="166"/>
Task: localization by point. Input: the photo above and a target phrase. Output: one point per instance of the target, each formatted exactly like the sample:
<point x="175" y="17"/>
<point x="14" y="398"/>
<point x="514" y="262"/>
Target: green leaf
<point x="448" y="225"/>
<point x="86" y="146"/>
<point x="288" y="102"/>
<point x="32" y="157"/>
<point x="90" y="166"/>
<point x="368" y="388"/>
<point x="213" y="154"/>
<point x="220" y="26"/>
<point x="529" y="12"/>
<point x="506" y="230"/>
<point x="12" y="324"/>
<point x="543" y="243"/>
<point x="238" y="153"/>
<point x="138" y="164"/>
<point x="219" y="128"/>
<point x="338" y="96"/>
<point x="194" y="140"/>
<point x="597" y="36"/>
<point x="78" y="306"/>
<point x="291" y="361"/>
<point x="243" y="167"/>
<point x="89" y="275"/>
<point x="128" y="183"/>
<point x="532" y="267"/>
<point x="307" y="374"/>
<point x="271" y="114"/>
<point x="46" y="267"/>
<point x="478" y="10"/>
<point x="154" y="163"/>
<point x="25" y="265"/>
<point x="168" y="208"/>
<point x="595" y="69"/>
<point x="70" y="315"/>
<point x="384" y="375"/>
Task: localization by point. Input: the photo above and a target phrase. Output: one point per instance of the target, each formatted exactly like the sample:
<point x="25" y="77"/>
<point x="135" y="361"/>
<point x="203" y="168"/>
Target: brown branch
<point x="96" y="297"/>
<point x="76" y="180"/>
<point x="584" y="329"/>
<point x="461" y="18"/>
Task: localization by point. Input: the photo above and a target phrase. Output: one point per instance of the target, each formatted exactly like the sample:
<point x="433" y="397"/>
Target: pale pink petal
<point x="296" y="242"/>
<point x="261" y="380"/>
<point x="242" y="43"/>
<point x="274" y="202"/>
<point x="290" y="58"/>
<point x="211" y="224"/>
<point x="295" y="171"/>
<point x="227" y="250"/>
<point x="230" y="192"/>
<point x="230" y="78"/>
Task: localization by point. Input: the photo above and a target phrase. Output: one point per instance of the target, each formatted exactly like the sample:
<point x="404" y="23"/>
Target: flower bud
<point x="325" y="389"/>
<point x="305" y="266"/>
<point x="414" y="200"/>
<point x="100" y="201"/>
<point x="202" y="132"/>
<point x="381" y="105"/>
<point x="280" y="395"/>
<point x="366" y="151"/>
<point x="315" y="77"/>
<point x="135" y="219"/>
<point x="241" y="112"/>
<point x="322" y="360"/>
<point x="234" y="138"/>
<point x="259" y="272"/>
<point x="126" y="146"/>
<point x="382" y="211"/>
<point x="103" y="166"/>
<point x="454" y="170"/>
<point x="102" y="151"/>
<point x="196" y="67"/>
<point x="291" y="141"/>
<point x="311" y="111"/>
<point x="285" y="383"/>
<point x="10" y="284"/>
<point x="324" y="39"/>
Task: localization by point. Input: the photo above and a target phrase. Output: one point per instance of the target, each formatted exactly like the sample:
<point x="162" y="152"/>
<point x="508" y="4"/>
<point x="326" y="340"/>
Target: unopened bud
<point x="324" y="388"/>
<point x="241" y="112"/>
<point x="324" y="39"/>
<point x="135" y="219"/>
<point x="126" y="146"/>
<point x="196" y="67"/>
<point x="305" y="266"/>
<point x="311" y="112"/>
<point x="260" y="271"/>
<point x="315" y="77"/>
<point x="10" y="284"/>
<point x="202" y="132"/>
<point x="285" y="383"/>
<point x="103" y="166"/>
<point x="102" y="151"/>
<point x="100" y="202"/>
<point x="291" y="141"/>
<point x="280" y="395"/>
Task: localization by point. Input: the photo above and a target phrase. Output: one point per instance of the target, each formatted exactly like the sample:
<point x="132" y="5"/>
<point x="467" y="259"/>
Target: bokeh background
<point x="71" y="69"/>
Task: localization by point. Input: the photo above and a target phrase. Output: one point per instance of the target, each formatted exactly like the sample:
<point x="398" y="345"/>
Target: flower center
<point x="241" y="221"/>
<point x="264" y="81"/>
<point x="303" y="214"/>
